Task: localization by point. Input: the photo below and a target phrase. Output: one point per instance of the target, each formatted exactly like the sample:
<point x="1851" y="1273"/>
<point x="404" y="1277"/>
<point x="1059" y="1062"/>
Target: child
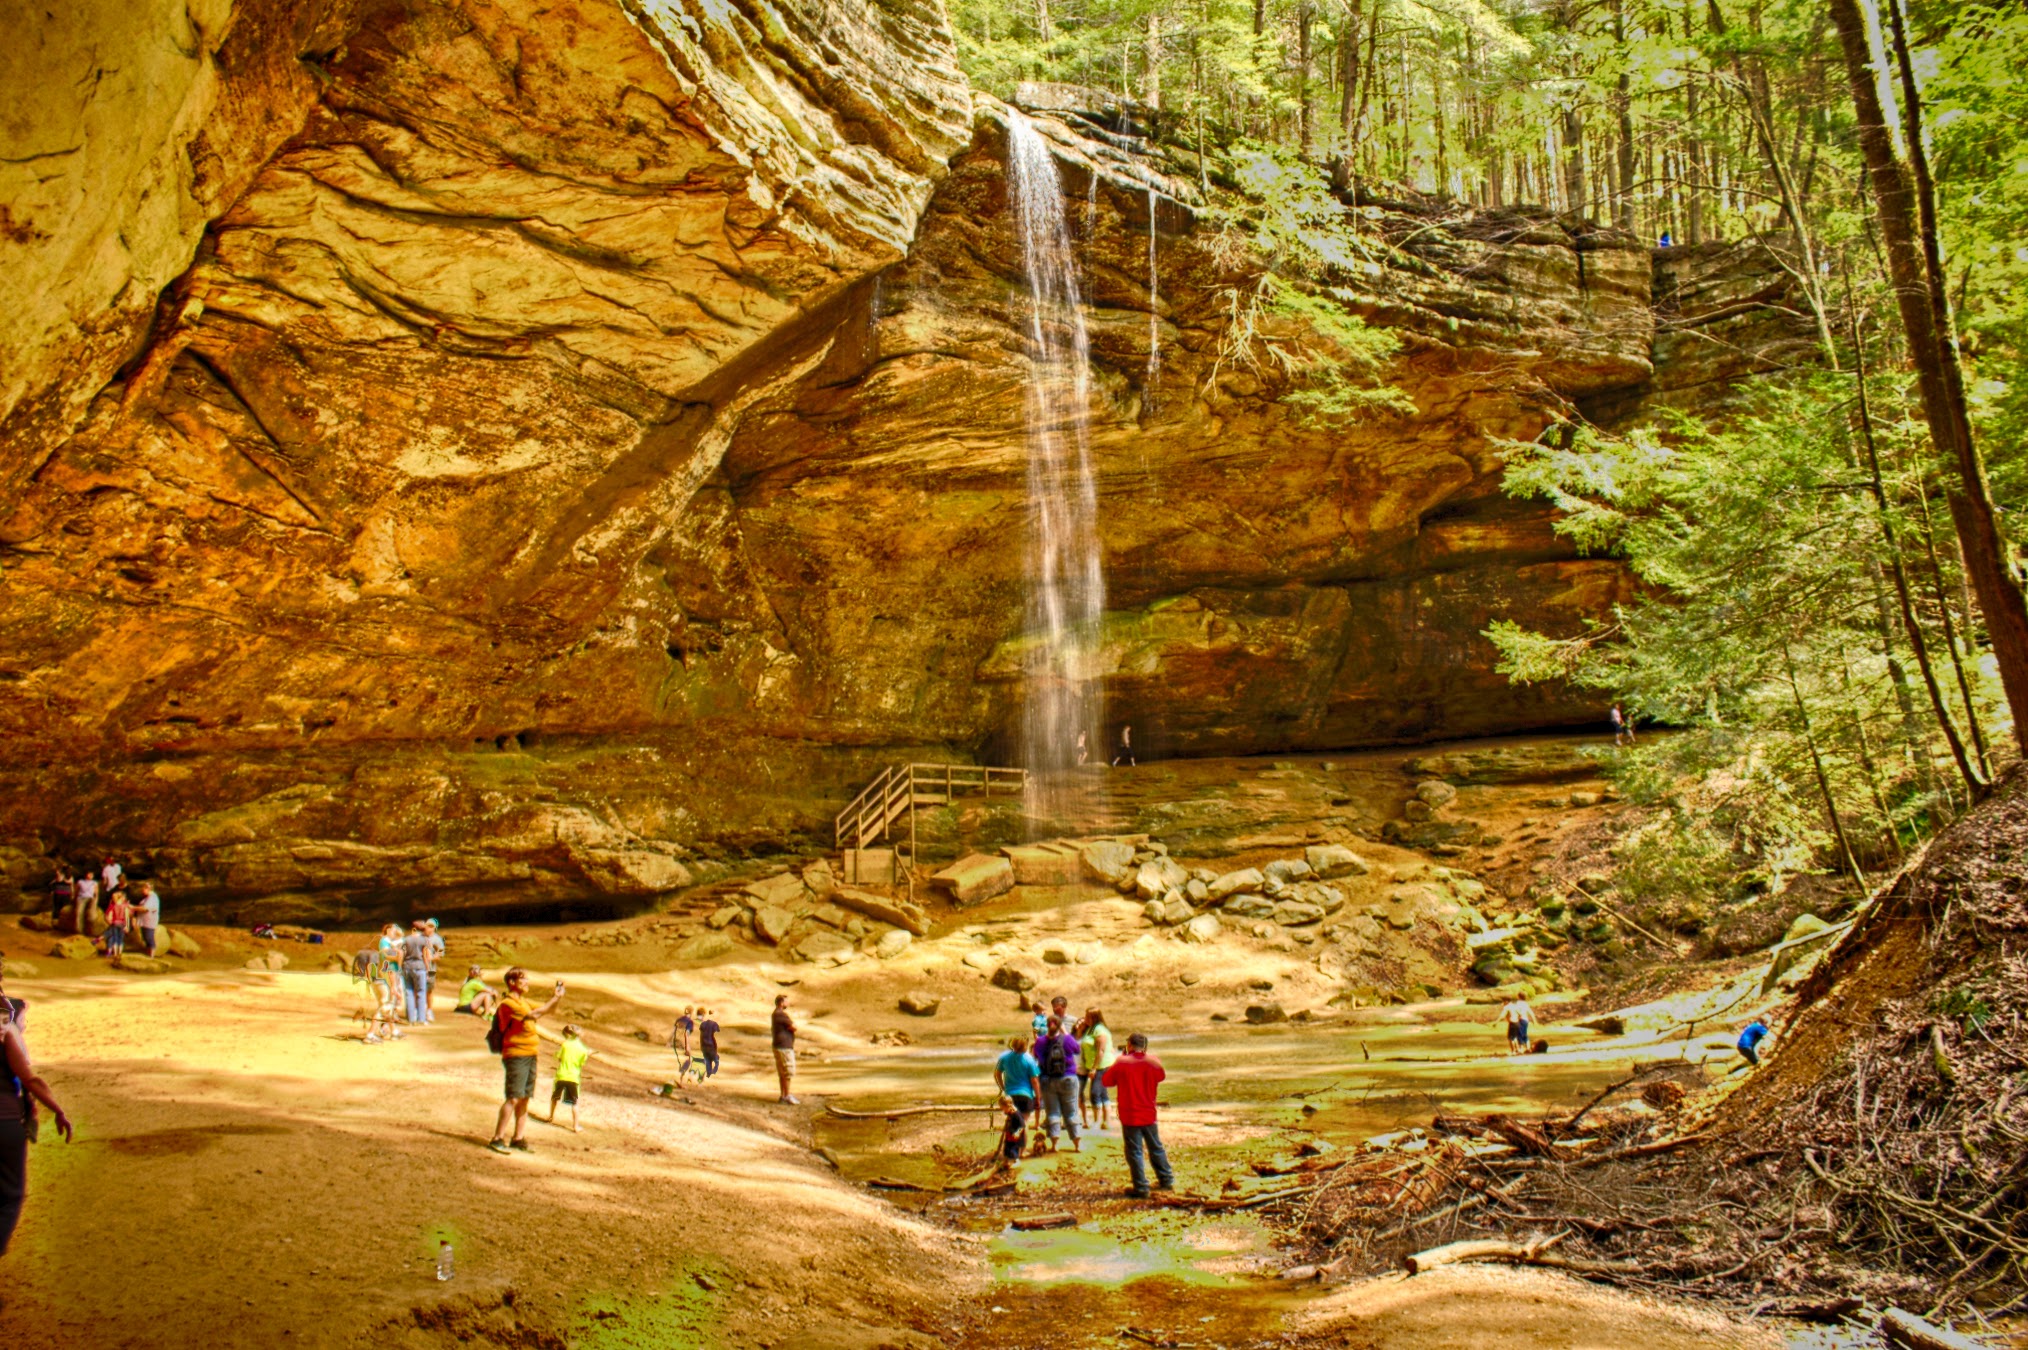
<point x="679" y="1041"/>
<point x="1013" y="1135"/>
<point x="570" y="1058"/>
<point x="707" y="1042"/>
<point x="117" y="917"/>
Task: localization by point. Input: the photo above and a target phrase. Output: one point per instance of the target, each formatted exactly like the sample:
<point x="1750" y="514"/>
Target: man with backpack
<point x="1056" y="1052"/>
<point x="512" y="1037"/>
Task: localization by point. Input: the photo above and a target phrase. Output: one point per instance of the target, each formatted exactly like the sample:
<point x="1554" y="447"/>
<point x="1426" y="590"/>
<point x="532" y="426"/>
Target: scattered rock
<point x="705" y="946"/>
<point x="1435" y="793"/>
<point x="916" y="1003"/>
<point x="1585" y="799"/>
<point x="151" y="965"/>
<point x="1203" y="928"/>
<point x="783" y="891"/>
<point x="1014" y="978"/>
<point x="1177" y="910"/>
<point x="1056" y="952"/>
<point x="981" y="961"/>
<point x="771" y="924"/>
<point x="1335" y="860"/>
<point x="1196" y="891"/>
<point x="897" y="913"/>
<point x="1232" y="883"/>
<point x="76" y="948"/>
<point x="726" y="914"/>
<point x="892" y="1038"/>
<point x="338" y="965"/>
<point x="38" y="923"/>
<point x="1250" y="907"/>
<point x="1089" y="953"/>
<point x="1109" y="861"/>
<point x="1291" y="913"/>
<point x="1189" y="978"/>
<point x="976" y="878"/>
<point x="1159" y="877"/>
<point x="1261" y="983"/>
<point x="892" y="944"/>
<point x="823" y="945"/>
<point x="1287" y="870"/>
<point x="819" y="880"/>
<point x="1803" y="926"/>
<point x="264" y="961"/>
<point x="1260" y="1014"/>
<point x="176" y="942"/>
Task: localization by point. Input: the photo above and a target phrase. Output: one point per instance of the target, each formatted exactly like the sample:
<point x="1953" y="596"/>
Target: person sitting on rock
<point x="473" y="996"/>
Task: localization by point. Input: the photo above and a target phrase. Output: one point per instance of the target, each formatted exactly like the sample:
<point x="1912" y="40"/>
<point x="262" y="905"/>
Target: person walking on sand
<point x="514" y="1039"/>
<point x="570" y="1058"/>
<point x="1750" y="1039"/>
<point x="782" y="1029"/>
<point x="1136" y="1077"/>
<point x="415" y="973"/>
<point x="1126" y="747"/>
<point x="1095" y="1054"/>
<point x="679" y="1041"/>
<point x="707" y="1043"/>
<point x="1518" y="1015"/>
<point x="1056" y="1054"/>
<point x="147" y="914"/>
<point x="1014" y="1074"/>
<point x="436" y="956"/>
<point x="20" y="1125"/>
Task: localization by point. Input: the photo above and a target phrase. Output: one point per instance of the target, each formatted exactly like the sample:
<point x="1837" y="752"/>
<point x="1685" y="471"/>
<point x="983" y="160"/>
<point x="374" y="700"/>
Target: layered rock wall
<point x="521" y="452"/>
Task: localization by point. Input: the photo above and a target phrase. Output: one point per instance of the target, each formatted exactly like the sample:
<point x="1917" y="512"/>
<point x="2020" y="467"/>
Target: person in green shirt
<point x="473" y="996"/>
<point x="570" y="1058"/>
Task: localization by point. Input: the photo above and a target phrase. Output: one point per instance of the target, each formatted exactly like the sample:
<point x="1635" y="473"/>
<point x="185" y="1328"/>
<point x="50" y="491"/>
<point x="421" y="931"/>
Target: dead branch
<point x="1481" y="1249"/>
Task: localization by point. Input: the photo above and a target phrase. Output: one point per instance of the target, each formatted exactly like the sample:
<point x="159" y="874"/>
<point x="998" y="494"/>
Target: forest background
<point x="1834" y="631"/>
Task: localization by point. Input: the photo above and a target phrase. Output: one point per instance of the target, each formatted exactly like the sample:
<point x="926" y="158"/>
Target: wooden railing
<point x="902" y="788"/>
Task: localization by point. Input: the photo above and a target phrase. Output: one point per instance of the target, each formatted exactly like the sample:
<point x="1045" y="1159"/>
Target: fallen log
<point x="1910" y="1332"/>
<point x="1479" y="1249"/>
<point x="1035" y="1223"/>
<point x="987" y="1187"/>
<point x="1246" y="1202"/>
<point x="1524" y="1137"/>
<point x="1642" y="1150"/>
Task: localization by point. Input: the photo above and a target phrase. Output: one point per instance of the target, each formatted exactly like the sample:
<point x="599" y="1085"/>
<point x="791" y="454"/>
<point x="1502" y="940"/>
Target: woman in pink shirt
<point x="118" y="915"/>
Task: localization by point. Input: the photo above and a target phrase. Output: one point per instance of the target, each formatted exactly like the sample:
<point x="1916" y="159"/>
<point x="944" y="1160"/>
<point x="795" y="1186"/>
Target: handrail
<point x="893" y="793"/>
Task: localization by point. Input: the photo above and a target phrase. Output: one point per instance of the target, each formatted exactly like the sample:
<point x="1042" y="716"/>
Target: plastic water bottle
<point x="444" y="1260"/>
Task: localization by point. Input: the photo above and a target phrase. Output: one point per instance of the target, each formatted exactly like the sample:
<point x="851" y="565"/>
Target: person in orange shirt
<point x="514" y="1027"/>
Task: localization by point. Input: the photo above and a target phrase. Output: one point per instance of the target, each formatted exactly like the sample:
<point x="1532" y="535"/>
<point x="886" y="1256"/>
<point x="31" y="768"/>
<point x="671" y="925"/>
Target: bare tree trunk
<point x="1304" y="15"/>
<point x="1155" y="59"/>
<point x="1933" y="347"/>
<point x="1623" y="107"/>
<point x="1043" y="29"/>
<point x="1823" y="778"/>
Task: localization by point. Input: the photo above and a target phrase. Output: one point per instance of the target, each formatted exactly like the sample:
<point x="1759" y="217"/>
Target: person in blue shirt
<point x="1750" y="1039"/>
<point x="1015" y="1073"/>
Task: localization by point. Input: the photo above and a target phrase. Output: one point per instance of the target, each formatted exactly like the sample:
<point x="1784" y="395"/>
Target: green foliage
<point x="1963" y="1006"/>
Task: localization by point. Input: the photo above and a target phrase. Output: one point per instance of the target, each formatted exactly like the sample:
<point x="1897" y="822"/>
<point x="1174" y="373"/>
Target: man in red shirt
<point x="1134" y="1079"/>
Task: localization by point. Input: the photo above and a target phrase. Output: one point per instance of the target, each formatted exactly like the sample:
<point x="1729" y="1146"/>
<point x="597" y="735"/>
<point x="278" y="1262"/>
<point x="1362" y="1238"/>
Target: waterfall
<point x="1060" y="699"/>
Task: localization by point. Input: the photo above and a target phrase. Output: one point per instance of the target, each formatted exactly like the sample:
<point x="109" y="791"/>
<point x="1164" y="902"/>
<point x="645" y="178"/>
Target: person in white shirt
<point x="87" y="900"/>
<point x="110" y="876"/>
<point x="1518" y="1015"/>
<point x="147" y="914"/>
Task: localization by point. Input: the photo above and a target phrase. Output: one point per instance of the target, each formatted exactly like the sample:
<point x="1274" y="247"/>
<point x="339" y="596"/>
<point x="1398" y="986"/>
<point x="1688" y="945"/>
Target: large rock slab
<point x="785" y="890"/>
<point x="900" y="913"/>
<point x="771" y="924"/>
<point x="975" y="878"/>
<point x="1045" y="864"/>
<point x="1109" y="861"/>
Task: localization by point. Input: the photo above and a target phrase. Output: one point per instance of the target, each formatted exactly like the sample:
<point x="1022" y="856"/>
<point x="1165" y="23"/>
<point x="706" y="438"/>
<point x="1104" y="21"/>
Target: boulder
<point x="1327" y="898"/>
<point x="91" y="923"/>
<point x="976" y="878"/>
<point x="1159" y="876"/>
<point x="1334" y="860"/>
<point x="1260" y="1014"/>
<point x="724" y="915"/>
<point x="832" y="917"/>
<point x="1249" y="906"/>
<point x="785" y="890"/>
<point x="895" y="913"/>
<point x="1197" y="891"/>
<point x="823" y="945"/>
<point x="1246" y="879"/>
<point x="1089" y="953"/>
<point x="1057" y="952"/>
<point x="1202" y="928"/>
<point x="1435" y="793"/>
<point x="176" y="942"/>
<point x="1804" y="925"/>
<point x="892" y="944"/>
<point x="983" y="962"/>
<point x="771" y="924"/>
<point x="1583" y="799"/>
<point x="1153" y="911"/>
<point x="819" y="880"/>
<point x="1291" y="913"/>
<point x="916" y="1003"/>
<point x="1287" y="870"/>
<point x="74" y="948"/>
<point x="704" y="947"/>
<point x="1177" y="910"/>
<point x="154" y="965"/>
<point x="1108" y="861"/>
<point x="270" y="960"/>
<point x="1014" y="978"/>
<point x="1050" y="864"/>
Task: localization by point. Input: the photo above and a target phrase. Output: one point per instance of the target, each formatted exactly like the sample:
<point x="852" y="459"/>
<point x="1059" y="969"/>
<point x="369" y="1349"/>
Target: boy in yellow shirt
<point x="570" y="1058"/>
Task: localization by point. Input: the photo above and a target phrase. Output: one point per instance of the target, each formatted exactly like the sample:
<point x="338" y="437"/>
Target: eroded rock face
<point x="586" y="440"/>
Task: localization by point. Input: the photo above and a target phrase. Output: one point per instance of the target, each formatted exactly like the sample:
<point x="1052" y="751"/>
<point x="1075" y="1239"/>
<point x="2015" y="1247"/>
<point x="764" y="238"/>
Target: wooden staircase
<point x="878" y="811"/>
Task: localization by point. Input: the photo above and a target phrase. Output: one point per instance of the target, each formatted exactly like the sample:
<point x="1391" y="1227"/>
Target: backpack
<point x="1055" y="1064"/>
<point x="496" y="1036"/>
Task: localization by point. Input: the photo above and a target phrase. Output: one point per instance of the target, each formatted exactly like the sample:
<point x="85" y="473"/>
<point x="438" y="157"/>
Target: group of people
<point x="1125" y="754"/>
<point x="401" y="969"/>
<point x="1063" y="1074"/>
<point x="128" y="915"/>
<point x="698" y="1021"/>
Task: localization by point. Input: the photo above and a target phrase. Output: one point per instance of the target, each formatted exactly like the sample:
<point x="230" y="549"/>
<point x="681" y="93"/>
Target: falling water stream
<point x="1066" y="587"/>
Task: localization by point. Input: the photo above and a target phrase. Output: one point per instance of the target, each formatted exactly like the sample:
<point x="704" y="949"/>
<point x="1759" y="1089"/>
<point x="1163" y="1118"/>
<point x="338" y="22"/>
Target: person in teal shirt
<point x="570" y="1058"/>
<point x="1014" y="1072"/>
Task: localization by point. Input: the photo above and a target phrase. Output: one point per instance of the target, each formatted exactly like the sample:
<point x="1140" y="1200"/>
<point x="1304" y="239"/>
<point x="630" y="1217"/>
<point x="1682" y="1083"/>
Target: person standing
<point x="1038" y="1023"/>
<point x="147" y="914"/>
<point x="1136" y="1077"/>
<point x="18" y="1125"/>
<point x="387" y="968"/>
<point x="1518" y="1015"/>
<point x="679" y="1041"/>
<point x="1126" y="754"/>
<point x="1013" y="1136"/>
<point x="118" y="916"/>
<point x="111" y="876"/>
<point x="1083" y="750"/>
<point x="1056" y="1054"/>
<point x="1623" y="728"/>
<point x="570" y="1058"/>
<point x="415" y="973"/>
<point x="782" y="1031"/>
<point x="436" y="956"/>
<point x="1750" y="1039"/>
<point x="84" y="900"/>
<point x="707" y="1042"/>
<point x="1014" y="1074"/>
<point x="62" y="893"/>
<point x="1095" y="1054"/>
<point x="518" y="1044"/>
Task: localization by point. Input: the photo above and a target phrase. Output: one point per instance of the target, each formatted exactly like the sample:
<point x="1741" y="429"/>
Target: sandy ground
<point x="273" y="1180"/>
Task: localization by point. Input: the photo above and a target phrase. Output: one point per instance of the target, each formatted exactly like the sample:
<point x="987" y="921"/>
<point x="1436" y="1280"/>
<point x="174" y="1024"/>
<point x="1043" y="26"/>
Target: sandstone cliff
<point x="517" y="453"/>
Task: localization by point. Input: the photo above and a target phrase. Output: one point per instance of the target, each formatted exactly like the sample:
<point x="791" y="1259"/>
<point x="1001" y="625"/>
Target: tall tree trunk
<point x="1304" y="16"/>
<point x="1623" y="107"/>
<point x="1575" y="196"/>
<point x="1933" y="347"/>
<point x="1155" y="59"/>
<point x="1043" y="29"/>
<point x="1823" y="778"/>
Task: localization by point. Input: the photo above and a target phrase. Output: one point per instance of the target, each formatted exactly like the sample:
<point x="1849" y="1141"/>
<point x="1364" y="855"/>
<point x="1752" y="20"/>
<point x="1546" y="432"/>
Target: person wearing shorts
<point x="118" y="916"/>
<point x="518" y="1047"/>
<point x="1096" y="1054"/>
<point x="783" y="1032"/>
<point x="1015" y="1072"/>
<point x="570" y="1058"/>
<point x="1518" y="1015"/>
